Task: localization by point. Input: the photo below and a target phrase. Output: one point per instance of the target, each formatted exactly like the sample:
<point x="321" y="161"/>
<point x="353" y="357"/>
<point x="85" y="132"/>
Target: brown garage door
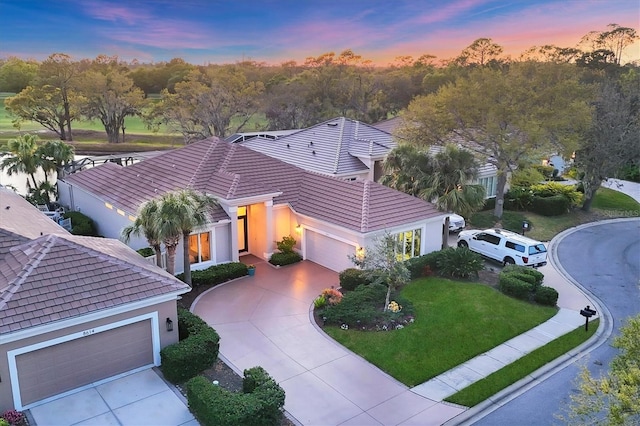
<point x="65" y="366"/>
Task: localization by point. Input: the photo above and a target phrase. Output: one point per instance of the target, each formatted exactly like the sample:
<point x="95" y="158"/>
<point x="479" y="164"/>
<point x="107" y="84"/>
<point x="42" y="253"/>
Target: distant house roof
<point x="268" y="134"/>
<point x="389" y="125"/>
<point x="234" y="172"/>
<point x="56" y="275"/>
<point x="333" y="147"/>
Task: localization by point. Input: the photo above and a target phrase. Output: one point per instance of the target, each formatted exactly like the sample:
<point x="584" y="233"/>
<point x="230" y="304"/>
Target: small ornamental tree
<point x="382" y="265"/>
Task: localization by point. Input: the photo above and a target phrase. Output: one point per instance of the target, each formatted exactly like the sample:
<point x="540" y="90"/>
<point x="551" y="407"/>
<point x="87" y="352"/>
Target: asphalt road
<point x="605" y="260"/>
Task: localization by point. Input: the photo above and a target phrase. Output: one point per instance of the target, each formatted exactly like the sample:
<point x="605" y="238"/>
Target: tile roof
<point x="58" y="276"/>
<point x="232" y="171"/>
<point x="331" y="147"/>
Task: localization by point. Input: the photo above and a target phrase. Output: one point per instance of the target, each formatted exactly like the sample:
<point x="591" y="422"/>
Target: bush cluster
<point x="13" y="418"/>
<point x="260" y="403"/>
<point x="548" y="199"/>
<point x="525" y="283"/>
<point x="146" y="252"/>
<point x="363" y="308"/>
<point x="216" y="274"/>
<point x="450" y="262"/>
<point x="286" y="255"/>
<point x="195" y="352"/>
<point x="81" y="224"/>
<point x="351" y="278"/>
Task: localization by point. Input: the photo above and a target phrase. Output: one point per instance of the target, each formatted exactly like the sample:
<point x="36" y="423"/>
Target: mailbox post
<point x="587" y="313"/>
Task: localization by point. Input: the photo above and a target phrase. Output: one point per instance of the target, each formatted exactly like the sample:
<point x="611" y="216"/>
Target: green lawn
<point x="455" y="321"/>
<point x="492" y="384"/>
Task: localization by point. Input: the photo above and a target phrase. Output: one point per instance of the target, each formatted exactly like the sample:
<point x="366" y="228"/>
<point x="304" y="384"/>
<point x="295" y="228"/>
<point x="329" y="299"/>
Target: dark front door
<point x="243" y="237"/>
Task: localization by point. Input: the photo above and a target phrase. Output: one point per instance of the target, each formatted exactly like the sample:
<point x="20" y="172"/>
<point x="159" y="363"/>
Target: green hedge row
<point x="196" y="351"/>
<point x="216" y="274"/>
<point x="451" y="262"/>
<point x="281" y="259"/>
<point x="81" y="224"/>
<point x="554" y="205"/>
<point x="525" y="283"/>
<point x="260" y="403"/>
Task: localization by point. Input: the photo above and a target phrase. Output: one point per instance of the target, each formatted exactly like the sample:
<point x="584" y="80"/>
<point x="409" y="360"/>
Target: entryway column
<point x="270" y="233"/>
<point x="233" y="215"/>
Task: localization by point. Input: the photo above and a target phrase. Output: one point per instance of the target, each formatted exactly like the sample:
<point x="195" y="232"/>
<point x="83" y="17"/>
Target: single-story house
<point x="74" y="310"/>
<point x="487" y="172"/>
<point x="340" y="147"/>
<point x="262" y="199"/>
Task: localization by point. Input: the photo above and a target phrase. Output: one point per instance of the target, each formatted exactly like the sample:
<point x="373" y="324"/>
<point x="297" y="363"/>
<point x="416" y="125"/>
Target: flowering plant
<point x="332" y="296"/>
<point x="252" y="266"/>
<point x="394" y="307"/>
<point x="13" y="417"/>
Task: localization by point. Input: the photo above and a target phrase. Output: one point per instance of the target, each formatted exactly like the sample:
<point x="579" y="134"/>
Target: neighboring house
<point x="74" y="310"/>
<point x="262" y="199"/>
<point x="341" y="147"/>
<point x="487" y="172"/>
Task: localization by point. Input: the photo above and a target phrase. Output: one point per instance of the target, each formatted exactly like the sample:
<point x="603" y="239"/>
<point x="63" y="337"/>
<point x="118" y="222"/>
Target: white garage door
<point x="59" y="368"/>
<point x="328" y="252"/>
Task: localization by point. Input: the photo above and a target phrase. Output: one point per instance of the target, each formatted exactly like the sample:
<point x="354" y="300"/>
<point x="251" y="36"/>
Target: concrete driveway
<point x="137" y="399"/>
<point x="266" y="321"/>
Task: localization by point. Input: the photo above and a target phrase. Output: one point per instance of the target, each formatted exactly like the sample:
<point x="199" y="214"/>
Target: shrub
<point x="526" y="177"/>
<point x="519" y="269"/>
<point x="352" y="277"/>
<point x="4" y="422"/>
<point x="195" y="352"/>
<point x="546" y="296"/>
<point x="459" y="263"/>
<point x="260" y="403"/>
<point x="518" y="198"/>
<point x="81" y="224"/>
<point x="417" y="266"/>
<point x="13" y="417"/>
<point x="146" y="252"/>
<point x="489" y="204"/>
<point x="332" y="296"/>
<point x="550" y="189"/>
<point x="286" y="244"/>
<point x="361" y="306"/>
<point x="546" y="171"/>
<point x="216" y="274"/>
<point x="511" y="285"/>
<point x="554" y="205"/>
<point x="319" y="302"/>
<point x="282" y="259"/>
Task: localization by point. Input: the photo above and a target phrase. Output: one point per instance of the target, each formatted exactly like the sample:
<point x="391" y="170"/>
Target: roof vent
<point x="332" y="124"/>
<point x="288" y="146"/>
<point x="310" y="143"/>
<point x="313" y="152"/>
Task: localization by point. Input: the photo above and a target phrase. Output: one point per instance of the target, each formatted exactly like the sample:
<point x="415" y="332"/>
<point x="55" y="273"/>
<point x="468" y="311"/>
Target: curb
<point x="604" y="331"/>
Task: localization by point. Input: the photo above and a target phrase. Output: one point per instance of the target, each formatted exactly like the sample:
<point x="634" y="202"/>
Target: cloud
<point x="114" y="13"/>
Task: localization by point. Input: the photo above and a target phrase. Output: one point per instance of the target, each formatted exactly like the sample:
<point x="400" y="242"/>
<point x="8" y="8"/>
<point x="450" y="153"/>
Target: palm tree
<point x="406" y="169"/>
<point x="180" y="212"/>
<point x="21" y="157"/>
<point x="449" y="185"/>
<point x="55" y="155"/>
<point x="146" y="224"/>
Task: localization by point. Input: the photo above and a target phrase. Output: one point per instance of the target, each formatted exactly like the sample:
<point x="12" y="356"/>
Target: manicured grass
<point x="492" y="384"/>
<point x="455" y="321"/>
<point x="612" y="200"/>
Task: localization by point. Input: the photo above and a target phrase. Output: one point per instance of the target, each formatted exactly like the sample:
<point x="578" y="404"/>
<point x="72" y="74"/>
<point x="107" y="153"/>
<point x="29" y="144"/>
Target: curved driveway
<point x="265" y="320"/>
<point x="605" y="259"/>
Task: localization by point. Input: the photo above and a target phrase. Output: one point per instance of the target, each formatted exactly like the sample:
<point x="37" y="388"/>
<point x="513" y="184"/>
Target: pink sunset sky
<point x="274" y="31"/>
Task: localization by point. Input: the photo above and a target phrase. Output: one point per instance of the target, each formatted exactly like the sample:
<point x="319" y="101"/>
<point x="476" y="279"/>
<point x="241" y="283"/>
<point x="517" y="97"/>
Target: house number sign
<point x="88" y="332"/>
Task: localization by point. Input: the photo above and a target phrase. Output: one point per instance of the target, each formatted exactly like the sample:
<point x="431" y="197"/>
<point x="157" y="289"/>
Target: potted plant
<point x="251" y="269"/>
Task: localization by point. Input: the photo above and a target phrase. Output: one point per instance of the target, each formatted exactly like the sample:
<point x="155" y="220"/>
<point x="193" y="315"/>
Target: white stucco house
<point x="262" y="199"/>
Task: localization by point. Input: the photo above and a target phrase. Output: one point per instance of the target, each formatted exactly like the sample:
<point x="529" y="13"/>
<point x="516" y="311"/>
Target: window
<point x="408" y="244"/>
<point x="490" y="186"/>
<point x="491" y="239"/>
<point x="515" y="246"/>
<point x="200" y="247"/>
<point x="537" y="249"/>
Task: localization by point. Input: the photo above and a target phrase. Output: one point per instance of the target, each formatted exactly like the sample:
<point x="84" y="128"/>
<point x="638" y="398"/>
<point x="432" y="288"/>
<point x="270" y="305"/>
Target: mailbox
<point x="587" y="313"/>
<point x="525" y="227"/>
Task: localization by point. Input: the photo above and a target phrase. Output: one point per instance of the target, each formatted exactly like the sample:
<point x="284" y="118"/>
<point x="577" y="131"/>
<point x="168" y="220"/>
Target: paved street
<point x="604" y="259"/>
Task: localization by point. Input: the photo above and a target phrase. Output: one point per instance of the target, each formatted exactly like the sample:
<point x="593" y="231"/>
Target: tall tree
<point x="54" y="156"/>
<point x="110" y="96"/>
<point x="615" y="40"/>
<point x="206" y="103"/>
<point x="59" y="72"/>
<point x="21" y="156"/>
<point x="480" y="52"/>
<point x="16" y="74"/>
<point x="504" y="114"/>
<point x="612" y="139"/>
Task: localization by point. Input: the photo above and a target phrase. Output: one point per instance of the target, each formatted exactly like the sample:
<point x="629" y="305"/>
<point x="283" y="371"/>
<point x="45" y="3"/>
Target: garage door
<point x="328" y="252"/>
<point x="55" y="369"/>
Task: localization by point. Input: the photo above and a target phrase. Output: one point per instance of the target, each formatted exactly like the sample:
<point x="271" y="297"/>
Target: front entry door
<point x="243" y="240"/>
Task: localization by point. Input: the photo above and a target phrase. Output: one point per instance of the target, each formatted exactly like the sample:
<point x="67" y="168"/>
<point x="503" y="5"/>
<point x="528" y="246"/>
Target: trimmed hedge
<point x="351" y="278"/>
<point x="196" y="351"/>
<point x="424" y="265"/>
<point x="546" y="296"/>
<point x="554" y="205"/>
<point x="260" y="403"/>
<point x="513" y="286"/>
<point x="281" y="259"/>
<point x="216" y="274"/>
